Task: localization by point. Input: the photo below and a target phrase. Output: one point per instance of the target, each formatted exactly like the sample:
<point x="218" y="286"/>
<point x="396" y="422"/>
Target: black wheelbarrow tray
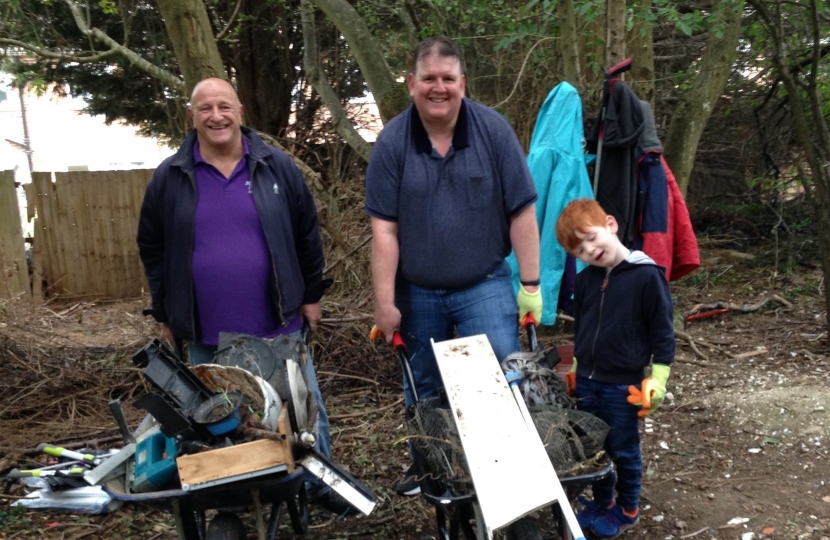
<point x="453" y="513"/>
<point x="188" y="507"/>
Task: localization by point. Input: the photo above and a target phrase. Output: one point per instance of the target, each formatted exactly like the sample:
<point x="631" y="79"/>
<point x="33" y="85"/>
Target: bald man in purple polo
<point x="230" y="240"/>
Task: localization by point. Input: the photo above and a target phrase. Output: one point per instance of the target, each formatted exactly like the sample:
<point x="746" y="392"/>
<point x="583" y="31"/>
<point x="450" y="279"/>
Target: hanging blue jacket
<point x="557" y="164"/>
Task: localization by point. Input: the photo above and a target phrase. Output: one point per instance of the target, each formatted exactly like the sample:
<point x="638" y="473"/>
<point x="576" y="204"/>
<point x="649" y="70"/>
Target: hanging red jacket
<point x="664" y="228"/>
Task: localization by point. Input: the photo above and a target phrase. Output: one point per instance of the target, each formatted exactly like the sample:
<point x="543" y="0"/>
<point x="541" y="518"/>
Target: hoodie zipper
<point x="270" y="254"/>
<point x="599" y="324"/>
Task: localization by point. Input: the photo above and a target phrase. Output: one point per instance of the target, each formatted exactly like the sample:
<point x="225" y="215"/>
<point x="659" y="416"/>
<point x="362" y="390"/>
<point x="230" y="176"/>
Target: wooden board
<point x="14" y="273"/>
<point x="510" y="468"/>
<point x="230" y="461"/>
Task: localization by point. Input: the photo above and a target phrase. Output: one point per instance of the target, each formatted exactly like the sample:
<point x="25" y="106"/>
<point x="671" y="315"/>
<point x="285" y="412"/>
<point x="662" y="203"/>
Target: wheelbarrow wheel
<point x="226" y="526"/>
<point x="524" y="529"/>
<point x="298" y="511"/>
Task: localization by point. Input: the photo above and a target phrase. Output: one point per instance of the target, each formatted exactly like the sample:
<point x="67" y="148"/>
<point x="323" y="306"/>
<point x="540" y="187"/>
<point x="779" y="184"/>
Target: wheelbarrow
<point x="189" y="506"/>
<point x="460" y="514"/>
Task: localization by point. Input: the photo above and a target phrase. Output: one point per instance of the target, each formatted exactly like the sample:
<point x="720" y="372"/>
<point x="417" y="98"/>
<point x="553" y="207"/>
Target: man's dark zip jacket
<point x="622" y="320"/>
<point x="287" y="214"/>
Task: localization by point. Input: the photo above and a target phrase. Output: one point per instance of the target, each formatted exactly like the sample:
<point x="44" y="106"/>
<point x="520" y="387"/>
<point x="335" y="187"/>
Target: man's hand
<point x="570" y="380"/>
<point x="652" y="391"/>
<point x="387" y="319"/>
<point x="530" y="301"/>
<point x="166" y="334"/>
<point x="312" y="313"/>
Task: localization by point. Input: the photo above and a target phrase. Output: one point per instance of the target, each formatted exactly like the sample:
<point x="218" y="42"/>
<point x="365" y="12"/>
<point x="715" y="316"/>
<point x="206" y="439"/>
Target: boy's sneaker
<point x="614" y="523"/>
<point x="409" y="486"/>
<point x="592" y="512"/>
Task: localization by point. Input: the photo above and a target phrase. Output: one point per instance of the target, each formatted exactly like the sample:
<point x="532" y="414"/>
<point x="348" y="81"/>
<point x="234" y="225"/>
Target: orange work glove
<point x="652" y="391"/>
<point x="570" y="380"/>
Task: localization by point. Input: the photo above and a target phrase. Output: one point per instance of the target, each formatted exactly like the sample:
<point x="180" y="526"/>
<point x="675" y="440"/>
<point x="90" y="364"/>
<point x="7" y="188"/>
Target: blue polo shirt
<point x="232" y="265"/>
<point x="453" y="212"/>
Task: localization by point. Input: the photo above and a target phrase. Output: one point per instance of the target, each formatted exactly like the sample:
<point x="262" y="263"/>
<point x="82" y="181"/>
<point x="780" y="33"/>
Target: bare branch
<point x="519" y="76"/>
<point x="225" y="31"/>
<point x="314" y="71"/>
<point x="174" y="82"/>
<point x="46" y="53"/>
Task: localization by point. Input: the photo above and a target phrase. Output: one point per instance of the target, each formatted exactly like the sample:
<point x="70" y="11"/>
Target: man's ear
<point x="410" y="83"/>
<point x="611" y="223"/>
<point x="190" y="114"/>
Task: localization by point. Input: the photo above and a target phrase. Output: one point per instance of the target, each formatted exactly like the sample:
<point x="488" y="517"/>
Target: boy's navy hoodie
<point x="621" y="320"/>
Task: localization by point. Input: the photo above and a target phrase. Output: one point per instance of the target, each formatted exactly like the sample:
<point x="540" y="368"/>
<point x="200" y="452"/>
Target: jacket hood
<point x="649" y="142"/>
<point x="638" y="257"/>
<point x="559" y="123"/>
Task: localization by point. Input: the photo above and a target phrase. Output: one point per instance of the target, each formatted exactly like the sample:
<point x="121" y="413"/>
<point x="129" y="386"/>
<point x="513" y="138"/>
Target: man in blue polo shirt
<point x="449" y="193"/>
<point x="230" y="241"/>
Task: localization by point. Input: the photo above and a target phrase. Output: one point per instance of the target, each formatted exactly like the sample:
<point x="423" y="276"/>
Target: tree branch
<point x="221" y="35"/>
<point x="519" y="76"/>
<point x="391" y="96"/>
<point x="314" y="71"/>
<point x="46" y="53"/>
<point x="174" y="82"/>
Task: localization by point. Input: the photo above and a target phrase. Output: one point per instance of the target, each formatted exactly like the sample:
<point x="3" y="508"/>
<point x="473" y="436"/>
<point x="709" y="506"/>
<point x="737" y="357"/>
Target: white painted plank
<point x="511" y="471"/>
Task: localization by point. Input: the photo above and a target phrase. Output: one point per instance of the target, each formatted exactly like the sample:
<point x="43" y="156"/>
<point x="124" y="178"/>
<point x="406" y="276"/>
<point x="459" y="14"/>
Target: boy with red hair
<point x="622" y="323"/>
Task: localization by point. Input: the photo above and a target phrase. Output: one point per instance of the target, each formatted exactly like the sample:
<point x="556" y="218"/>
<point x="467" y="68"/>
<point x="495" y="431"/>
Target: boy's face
<point x="600" y="245"/>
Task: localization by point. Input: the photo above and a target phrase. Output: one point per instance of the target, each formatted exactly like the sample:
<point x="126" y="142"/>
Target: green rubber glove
<point x="570" y="380"/>
<point x="652" y="391"/>
<point x="530" y="303"/>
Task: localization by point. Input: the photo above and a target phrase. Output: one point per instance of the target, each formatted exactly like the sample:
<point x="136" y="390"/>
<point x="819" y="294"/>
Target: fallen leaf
<point x="768" y="530"/>
<point x="826" y="498"/>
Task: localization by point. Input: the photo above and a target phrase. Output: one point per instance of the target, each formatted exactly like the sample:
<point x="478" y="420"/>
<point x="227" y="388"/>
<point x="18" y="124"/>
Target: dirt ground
<point x="739" y="449"/>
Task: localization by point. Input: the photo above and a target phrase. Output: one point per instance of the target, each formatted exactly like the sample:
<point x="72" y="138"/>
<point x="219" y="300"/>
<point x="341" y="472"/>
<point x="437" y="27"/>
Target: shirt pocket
<point x="479" y="191"/>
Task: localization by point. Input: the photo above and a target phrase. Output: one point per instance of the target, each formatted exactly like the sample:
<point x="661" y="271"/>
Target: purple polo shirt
<point x="231" y="261"/>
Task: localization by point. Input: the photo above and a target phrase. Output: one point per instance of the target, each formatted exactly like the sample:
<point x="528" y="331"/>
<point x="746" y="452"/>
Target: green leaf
<point x="770" y="440"/>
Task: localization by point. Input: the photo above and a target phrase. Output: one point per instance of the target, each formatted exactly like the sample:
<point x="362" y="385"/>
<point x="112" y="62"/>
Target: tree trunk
<point x="694" y="109"/>
<point x="194" y="45"/>
<point x="569" y="44"/>
<point x="391" y="96"/>
<point x="265" y="64"/>
<point x="641" y="46"/>
<point x="615" y="42"/>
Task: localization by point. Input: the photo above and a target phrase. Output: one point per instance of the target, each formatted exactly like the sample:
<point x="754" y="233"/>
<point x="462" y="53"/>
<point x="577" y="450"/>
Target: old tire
<point x="524" y="529"/>
<point x="226" y="526"/>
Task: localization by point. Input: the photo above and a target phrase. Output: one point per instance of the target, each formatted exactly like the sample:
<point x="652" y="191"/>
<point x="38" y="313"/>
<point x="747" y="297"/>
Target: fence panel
<point x="85" y="230"/>
<point x="14" y="273"/>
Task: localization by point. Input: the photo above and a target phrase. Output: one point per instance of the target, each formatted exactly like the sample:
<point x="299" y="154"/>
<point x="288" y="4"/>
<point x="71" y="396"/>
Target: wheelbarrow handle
<point x="529" y="323"/>
<point x="400" y="348"/>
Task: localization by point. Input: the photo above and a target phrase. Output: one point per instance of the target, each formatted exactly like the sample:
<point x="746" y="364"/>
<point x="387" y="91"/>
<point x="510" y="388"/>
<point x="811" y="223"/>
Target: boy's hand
<point x="570" y="380"/>
<point x="652" y="391"/>
<point x="530" y="302"/>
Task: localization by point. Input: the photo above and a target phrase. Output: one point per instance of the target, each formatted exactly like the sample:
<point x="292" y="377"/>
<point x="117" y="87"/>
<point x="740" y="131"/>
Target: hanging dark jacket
<point x="287" y="214"/>
<point x="617" y="187"/>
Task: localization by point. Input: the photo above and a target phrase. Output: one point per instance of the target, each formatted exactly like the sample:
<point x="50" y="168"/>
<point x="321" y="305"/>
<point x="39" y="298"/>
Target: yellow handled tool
<point x="58" y="451"/>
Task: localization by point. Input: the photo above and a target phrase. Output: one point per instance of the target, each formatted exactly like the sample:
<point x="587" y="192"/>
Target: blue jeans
<point x="488" y="307"/>
<point x="609" y="403"/>
<point x="202" y="353"/>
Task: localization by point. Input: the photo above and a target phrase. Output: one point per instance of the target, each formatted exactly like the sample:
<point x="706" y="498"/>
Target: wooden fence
<point x="85" y="228"/>
<point x="14" y="273"/>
